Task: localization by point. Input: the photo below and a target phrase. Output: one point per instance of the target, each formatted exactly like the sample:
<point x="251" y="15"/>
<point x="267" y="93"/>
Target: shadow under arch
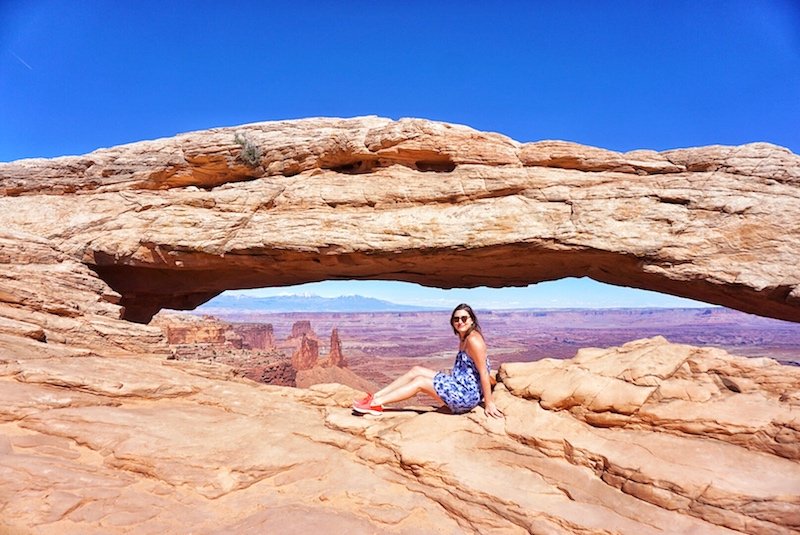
<point x="191" y="281"/>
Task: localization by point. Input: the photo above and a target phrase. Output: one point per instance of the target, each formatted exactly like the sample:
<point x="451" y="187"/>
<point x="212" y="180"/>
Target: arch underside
<point x="146" y="290"/>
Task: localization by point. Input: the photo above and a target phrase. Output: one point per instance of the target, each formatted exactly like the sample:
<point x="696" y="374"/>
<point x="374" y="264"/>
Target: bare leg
<point x="416" y="371"/>
<point x="413" y="387"/>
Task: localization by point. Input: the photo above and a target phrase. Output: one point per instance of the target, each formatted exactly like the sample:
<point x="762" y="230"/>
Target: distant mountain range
<point x="236" y="304"/>
<point x="304" y="303"/>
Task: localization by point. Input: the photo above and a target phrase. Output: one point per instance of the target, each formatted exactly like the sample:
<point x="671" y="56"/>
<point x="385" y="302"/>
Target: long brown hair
<point x="475" y="325"/>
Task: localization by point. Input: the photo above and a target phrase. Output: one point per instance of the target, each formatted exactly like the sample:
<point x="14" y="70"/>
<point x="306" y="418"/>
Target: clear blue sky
<point x="79" y="75"/>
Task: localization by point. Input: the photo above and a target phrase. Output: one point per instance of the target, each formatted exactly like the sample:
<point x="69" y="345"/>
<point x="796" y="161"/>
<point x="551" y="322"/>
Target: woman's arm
<point x="476" y="349"/>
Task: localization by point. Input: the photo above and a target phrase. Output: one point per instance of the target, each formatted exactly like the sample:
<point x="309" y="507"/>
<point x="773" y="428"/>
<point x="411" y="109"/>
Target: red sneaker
<point x="368" y="408"/>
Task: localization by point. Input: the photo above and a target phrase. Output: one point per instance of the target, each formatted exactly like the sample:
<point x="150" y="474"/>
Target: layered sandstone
<point x="52" y="304"/>
<point x="256" y="335"/>
<point x="191" y="329"/>
<point x="173" y="222"/>
<point x="188" y="329"/>
<point x="655" y="439"/>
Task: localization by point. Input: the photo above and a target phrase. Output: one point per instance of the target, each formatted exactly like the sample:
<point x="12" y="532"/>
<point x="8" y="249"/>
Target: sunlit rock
<point x="100" y="432"/>
<point x="172" y="222"/>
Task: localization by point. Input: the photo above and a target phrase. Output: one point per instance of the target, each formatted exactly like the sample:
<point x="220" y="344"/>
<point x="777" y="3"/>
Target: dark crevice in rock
<point x="674" y="200"/>
<point x="356" y="167"/>
<point x="441" y="166"/>
<point x="366" y="165"/>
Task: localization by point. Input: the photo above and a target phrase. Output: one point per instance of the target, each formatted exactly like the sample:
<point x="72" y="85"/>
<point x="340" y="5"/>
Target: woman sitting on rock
<point x="461" y="390"/>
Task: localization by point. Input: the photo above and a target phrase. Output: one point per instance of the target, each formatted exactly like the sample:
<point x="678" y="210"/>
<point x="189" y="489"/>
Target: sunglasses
<point x="460" y="319"/>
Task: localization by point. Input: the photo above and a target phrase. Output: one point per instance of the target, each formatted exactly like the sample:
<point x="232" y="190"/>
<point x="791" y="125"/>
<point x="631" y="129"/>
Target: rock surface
<point x="654" y="439"/>
<point x="276" y="372"/>
<point x="333" y="374"/>
<point x="172" y="222"/>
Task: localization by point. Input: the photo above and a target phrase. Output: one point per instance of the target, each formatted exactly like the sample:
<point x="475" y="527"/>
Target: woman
<point x="460" y="390"/>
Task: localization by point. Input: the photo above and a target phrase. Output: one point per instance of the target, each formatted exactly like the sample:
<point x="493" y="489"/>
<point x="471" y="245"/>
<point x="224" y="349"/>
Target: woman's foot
<point x="366" y="407"/>
<point x="365" y="399"/>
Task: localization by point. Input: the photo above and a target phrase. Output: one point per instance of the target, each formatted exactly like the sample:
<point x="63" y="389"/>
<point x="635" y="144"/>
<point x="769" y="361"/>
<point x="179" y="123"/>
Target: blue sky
<point x="79" y="75"/>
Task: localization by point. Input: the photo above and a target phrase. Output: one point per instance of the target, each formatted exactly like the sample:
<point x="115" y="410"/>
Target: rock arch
<point x="173" y="222"/>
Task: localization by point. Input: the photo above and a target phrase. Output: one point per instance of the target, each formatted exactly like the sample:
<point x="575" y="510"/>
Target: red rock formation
<point x="306" y="355"/>
<point x="232" y="339"/>
<point x="302" y="328"/>
<point x="188" y="329"/>
<point x="335" y="356"/>
<point x="279" y="373"/>
<point x="255" y="335"/>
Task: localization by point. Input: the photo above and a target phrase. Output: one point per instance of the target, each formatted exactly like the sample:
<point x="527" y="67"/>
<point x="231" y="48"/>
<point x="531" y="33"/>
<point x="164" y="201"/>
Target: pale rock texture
<point x="146" y="445"/>
<point x="100" y="433"/>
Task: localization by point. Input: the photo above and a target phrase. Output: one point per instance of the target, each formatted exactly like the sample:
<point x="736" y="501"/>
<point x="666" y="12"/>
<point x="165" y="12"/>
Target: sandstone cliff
<point x="100" y="433"/>
<point x="256" y="335"/>
<point x="188" y="329"/>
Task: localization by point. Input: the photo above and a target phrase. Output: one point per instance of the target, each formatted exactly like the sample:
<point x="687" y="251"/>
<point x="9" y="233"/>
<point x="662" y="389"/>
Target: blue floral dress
<point x="460" y="389"/>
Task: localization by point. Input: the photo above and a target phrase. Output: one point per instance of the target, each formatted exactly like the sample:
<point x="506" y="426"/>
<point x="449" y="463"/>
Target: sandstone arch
<point x="173" y="222"/>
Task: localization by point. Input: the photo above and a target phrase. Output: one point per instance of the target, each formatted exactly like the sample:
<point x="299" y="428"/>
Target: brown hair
<point x="475" y="325"/>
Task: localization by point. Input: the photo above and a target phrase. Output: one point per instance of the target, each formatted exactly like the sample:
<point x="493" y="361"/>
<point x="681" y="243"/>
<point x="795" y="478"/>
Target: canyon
<point x="101" y="431"/>
<point x="252" y="350"/>
<point x="382" y="345"/>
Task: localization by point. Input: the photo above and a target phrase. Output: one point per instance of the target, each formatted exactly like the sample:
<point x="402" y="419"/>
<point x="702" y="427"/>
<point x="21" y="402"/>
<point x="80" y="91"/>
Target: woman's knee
<point x="423" y="384"/>
<point x="421" y="371"/>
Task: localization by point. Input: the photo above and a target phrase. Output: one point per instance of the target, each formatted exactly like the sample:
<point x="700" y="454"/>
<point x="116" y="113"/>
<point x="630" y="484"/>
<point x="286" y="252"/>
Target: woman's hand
<point x="491" y="410"/>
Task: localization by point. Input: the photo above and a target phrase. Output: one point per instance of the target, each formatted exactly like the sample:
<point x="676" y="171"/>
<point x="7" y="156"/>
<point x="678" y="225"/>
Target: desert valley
<point x="377" y="346"/>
